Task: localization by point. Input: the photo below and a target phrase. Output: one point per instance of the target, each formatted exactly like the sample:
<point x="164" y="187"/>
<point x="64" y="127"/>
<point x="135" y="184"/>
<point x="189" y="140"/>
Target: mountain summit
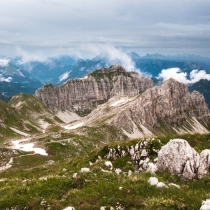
<point x="84" y="94"/>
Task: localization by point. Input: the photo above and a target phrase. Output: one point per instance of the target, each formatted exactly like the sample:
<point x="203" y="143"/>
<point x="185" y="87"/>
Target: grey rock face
<point x="85" y="94"/>
<point x="178" y="157"/>
<point x="170" y="104"/>
<point x="204" y="166"/>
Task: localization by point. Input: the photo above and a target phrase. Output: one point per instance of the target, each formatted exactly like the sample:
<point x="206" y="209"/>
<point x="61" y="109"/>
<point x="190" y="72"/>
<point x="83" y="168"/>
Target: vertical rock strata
<point x="85" y="94"/>
<point x="167" y="106"/>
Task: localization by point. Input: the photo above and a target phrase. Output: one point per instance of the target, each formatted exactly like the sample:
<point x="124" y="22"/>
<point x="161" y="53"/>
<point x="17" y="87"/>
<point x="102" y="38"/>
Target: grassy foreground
<point x="36" y="182"/>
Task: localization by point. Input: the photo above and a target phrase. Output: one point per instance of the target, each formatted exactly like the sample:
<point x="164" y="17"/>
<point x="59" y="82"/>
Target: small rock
<point x="108" y="164"/>
<point x="129" y="173"/>
<point x="118" y="170"/>
<point x="85" y="170"/>
<point x="144" y="153"/>
<point x="174" y="185"/>
<point x="153" y="181"/>
<point x="205" y="205"/>
<point x="151" y="168"/>
<point x="204" y="165"/>
<point x="161" y="184"/>
<point x="43" y="203"/>
<point x="74" y="175"/>
<point x="69" y="208"/>
<point x="50" y="162"/>
<point x="106" y="171"/>
<point x="119" y="207"/>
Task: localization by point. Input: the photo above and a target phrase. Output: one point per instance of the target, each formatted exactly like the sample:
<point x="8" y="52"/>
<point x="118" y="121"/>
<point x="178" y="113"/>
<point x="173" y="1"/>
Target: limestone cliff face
<point x="85" y="94"/>
<point x="169" y="105"/>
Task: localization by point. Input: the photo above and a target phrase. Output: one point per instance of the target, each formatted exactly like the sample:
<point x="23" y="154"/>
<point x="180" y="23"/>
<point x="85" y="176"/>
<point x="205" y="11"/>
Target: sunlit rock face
<point x="178" y="157"/>
<point x="85" y="94"/>
<point x="168" y="106"/>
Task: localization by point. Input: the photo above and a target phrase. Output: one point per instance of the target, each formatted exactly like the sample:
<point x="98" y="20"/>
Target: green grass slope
<point x="34" y="182"/>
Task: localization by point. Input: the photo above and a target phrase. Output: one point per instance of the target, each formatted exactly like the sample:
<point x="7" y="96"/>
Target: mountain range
<point x="17" y="76"/>
<point x="103" y="142"/>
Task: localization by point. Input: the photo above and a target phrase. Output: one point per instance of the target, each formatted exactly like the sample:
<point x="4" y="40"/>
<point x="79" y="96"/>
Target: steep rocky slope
<point x="85" y="94"/>
<point x="165" y="109"/>
<point x="169" y="106"/>
<point x="203" y="86"/>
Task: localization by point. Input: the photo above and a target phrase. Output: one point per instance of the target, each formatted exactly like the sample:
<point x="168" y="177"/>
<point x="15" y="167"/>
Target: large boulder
<point x="178" y="157"/>
<point x="204" y="166"/>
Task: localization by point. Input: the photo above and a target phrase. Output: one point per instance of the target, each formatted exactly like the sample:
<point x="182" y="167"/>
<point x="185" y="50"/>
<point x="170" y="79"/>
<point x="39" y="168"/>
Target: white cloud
<point x="177" y="74"/>
<point x="3" y="79"/>
<point x="108" y="51"/>
<point x="169" y="26"/>
<point x="4" y="61"/>
<point x="28" y="56"/>
<point x="196" y="75"/>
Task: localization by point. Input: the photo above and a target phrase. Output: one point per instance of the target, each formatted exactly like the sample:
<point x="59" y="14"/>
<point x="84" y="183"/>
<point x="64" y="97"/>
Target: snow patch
<point x="67" y="116"/>
<point x="64" y="76"/>
<point x="20" y="132"/>
<point x="20" y="73"/>
<point x="121" y="101"/>
<point x="29" y="147"/>
<point x="117" y="103"/>
<point x="71" y="127"/>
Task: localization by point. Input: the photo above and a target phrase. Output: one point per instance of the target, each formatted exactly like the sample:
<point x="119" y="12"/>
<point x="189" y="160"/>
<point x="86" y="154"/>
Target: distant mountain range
<point x="17" y="76"/>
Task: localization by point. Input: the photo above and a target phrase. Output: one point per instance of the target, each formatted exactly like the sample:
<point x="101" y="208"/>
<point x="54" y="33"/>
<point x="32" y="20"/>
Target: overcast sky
<point x="50" y="27"/>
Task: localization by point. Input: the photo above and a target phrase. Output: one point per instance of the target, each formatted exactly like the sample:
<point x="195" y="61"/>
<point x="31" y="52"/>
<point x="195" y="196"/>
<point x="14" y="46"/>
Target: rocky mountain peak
<point x="85" y="94"/>
<point x="114" y="68"/>
<point x="166" y="108"/>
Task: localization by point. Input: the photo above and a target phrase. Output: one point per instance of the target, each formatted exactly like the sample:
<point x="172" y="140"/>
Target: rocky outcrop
<point x="85" y="94"/>
<point x="204" y="166"/>
<point x="178" y="157"/>
<point x="166" y="107"/>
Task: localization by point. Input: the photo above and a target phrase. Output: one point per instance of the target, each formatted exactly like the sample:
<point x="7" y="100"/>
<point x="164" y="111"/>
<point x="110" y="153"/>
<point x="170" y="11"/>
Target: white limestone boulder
<point x="204" y="166"/>
<point x="178" y="157"/>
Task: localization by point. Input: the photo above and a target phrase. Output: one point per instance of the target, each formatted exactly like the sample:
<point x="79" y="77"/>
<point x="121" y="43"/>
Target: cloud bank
<point x="4" y="61"/>
<point x="114" y="54"/>
<point x="29" y="56"/>
<point x="177" y="74"/>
